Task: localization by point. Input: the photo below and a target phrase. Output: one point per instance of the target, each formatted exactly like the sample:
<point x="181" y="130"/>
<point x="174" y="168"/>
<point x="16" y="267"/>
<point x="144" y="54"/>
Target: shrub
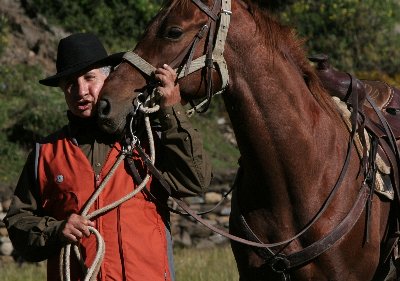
<point x="357" y="35"/>
<point x="118" y="23"/>
<point x="28" y="112"/>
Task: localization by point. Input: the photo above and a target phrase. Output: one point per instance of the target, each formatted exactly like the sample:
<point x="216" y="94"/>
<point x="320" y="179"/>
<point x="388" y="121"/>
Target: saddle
<point x="386" y="97"/>
<point x="379" y="105"/>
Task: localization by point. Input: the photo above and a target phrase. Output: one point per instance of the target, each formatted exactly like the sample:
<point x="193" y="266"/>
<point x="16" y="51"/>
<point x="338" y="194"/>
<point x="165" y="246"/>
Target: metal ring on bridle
<point x="137" y="103"/>
<point x="280" y="264"/>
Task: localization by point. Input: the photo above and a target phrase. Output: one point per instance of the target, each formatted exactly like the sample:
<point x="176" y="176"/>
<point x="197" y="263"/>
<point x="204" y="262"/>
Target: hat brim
<point x="54" y="80"/>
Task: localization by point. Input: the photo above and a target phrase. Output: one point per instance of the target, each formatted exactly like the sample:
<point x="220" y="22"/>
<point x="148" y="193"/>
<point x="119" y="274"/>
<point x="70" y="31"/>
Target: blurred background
<point x="360" y="37"/>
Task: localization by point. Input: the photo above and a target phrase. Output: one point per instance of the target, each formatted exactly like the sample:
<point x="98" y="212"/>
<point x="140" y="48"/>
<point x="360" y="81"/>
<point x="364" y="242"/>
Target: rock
<point x="194" y="200"/>
<point x="5" y="260"/>
<point x="183" y="240"/>
<point x="223" y="220"/>
<point x="213" y="197"/>
<point x="204" y="244"/>
<point x="226" y="211"/>
<point x="200" y="231"/>
<point x="6" y="204"/>
<point x="218" y="239"/>
<point x="3" y="232"/>
<point x="6" y="248"/>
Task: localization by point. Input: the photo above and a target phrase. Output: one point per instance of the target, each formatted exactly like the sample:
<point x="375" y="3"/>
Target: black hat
<point x="78" y="52"/>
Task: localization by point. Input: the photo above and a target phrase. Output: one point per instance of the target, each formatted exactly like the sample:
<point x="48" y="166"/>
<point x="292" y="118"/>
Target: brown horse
<point x="292" y="141"/>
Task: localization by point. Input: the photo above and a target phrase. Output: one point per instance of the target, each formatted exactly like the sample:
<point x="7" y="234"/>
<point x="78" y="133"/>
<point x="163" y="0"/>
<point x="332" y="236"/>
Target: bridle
<point x="213" y="58"/>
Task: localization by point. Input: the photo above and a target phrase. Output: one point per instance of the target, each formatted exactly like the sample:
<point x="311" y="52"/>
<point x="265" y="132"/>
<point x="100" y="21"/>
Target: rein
<point x="213" y="59"/>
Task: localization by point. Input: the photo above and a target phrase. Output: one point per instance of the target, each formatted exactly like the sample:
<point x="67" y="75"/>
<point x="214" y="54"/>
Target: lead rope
<point x="65" y="254"/>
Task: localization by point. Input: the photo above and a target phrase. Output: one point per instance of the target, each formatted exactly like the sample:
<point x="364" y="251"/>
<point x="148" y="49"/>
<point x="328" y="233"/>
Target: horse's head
<point x="183" y="35"/>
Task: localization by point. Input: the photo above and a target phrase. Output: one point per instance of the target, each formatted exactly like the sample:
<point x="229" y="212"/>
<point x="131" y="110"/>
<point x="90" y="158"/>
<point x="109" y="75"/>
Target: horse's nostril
<point x="104" y="108"/>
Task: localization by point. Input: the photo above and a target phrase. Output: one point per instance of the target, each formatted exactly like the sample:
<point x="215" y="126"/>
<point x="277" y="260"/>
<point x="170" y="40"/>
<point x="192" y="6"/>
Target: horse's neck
<point x="283" y="134"/>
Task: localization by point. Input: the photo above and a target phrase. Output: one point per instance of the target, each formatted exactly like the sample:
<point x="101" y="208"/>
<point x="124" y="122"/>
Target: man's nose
<point x="82" y="87"/>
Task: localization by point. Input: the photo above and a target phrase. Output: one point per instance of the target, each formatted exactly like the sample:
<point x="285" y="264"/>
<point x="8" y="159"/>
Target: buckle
<point x="280" y="264"/>
<point x="226" y="12"/>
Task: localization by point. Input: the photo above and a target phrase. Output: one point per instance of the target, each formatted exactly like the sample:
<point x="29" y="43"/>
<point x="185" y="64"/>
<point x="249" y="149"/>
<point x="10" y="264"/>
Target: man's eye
<point x="90" y="77"/>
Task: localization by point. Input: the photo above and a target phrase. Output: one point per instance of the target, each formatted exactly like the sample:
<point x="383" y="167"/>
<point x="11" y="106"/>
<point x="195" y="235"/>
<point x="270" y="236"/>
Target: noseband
<point x="212" y="59"/>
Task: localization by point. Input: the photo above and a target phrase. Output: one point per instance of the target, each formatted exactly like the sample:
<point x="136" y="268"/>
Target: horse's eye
<point x="174" y="33"/>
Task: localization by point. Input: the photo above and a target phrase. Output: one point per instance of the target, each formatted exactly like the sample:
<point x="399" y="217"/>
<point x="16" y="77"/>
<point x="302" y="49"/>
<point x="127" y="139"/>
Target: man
<point x="67" y="167"/>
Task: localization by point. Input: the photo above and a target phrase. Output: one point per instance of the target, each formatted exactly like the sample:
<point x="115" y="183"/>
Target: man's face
<point x="81" y="92"/>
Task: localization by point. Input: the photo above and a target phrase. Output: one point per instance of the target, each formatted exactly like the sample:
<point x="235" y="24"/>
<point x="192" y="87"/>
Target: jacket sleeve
<point x="34" y="236"/>
<point x="182" y="158"/>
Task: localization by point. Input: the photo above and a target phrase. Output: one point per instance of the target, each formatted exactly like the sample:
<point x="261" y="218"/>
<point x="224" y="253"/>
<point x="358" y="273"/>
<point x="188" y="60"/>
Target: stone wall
<point x="189" y="233"/>
<point x="6" y="248"/>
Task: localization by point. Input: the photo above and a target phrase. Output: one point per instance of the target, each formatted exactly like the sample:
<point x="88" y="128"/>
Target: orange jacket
<point x="136" y="238"/>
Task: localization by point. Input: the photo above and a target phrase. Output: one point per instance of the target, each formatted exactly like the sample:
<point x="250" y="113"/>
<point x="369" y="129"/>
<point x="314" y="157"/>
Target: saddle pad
<point x="383" y="184"/>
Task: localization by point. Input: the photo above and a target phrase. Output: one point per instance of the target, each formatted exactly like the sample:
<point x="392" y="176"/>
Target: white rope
<point x="65" y="254"/>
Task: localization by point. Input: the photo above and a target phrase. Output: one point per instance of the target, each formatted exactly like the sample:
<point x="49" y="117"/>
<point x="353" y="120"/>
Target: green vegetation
<point x="27" y="272"/>
<point x="224" y="154"/>
<point x="215" y="264"/>
<point x="4" y="29"/>
<point x="28" y="112"/>
<point x="357" y="35"/>
<point x="118" y="23"/>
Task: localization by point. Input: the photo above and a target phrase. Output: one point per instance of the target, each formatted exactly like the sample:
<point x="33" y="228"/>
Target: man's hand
<point x="168" y="89"/>
<point x="75" y="228"/>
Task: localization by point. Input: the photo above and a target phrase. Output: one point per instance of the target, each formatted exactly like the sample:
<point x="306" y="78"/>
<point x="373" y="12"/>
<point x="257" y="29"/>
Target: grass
<point x="26" y="272"/>
<point x="215" y="264"/>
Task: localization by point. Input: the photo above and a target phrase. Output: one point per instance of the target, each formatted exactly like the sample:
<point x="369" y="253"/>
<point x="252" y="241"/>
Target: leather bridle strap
<point x="317" y="248"/>
<point x="210" y="13"/>
<point x="209" y="63"/>
<point x="141" y="64"/>
<point x="221" y="11"/>
<point x="189" y="52"/>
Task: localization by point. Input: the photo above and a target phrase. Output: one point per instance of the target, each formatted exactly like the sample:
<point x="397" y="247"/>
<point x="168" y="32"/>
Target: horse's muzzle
<point x="103" y="108"/>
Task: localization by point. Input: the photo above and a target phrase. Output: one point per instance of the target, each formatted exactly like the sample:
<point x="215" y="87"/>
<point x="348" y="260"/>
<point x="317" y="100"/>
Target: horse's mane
<point x="282" y="39"/>
<point x="173" y="3"/>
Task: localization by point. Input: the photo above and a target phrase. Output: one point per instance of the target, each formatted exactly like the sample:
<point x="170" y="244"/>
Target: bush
<point x="3" y="32"/>
<point x="357" y="35"/>
<point x="28" y="112"/>
<point x="118" y="23"/>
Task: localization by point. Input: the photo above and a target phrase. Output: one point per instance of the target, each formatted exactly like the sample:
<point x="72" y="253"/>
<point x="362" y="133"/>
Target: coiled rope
<point x="65" y="254"/>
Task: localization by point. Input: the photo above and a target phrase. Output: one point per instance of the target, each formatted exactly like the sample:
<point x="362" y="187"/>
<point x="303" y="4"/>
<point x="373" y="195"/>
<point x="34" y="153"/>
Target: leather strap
<point x="157" y="174"/>
<point x="317" y="248"/>
<point x="393" y="146"/>
<point x="210" y="13"/>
